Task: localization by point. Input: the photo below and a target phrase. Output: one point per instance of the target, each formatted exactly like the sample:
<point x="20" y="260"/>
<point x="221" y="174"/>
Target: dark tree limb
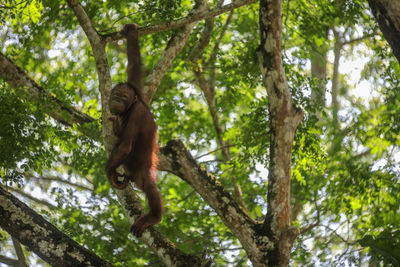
<point x="176" y="159"/>
<point x="41" y="237"/>
<point x="60" y="111"/>
<point x="387" y="14"/>
<point x="20" y="253"/>
<point x="8" y="261"/>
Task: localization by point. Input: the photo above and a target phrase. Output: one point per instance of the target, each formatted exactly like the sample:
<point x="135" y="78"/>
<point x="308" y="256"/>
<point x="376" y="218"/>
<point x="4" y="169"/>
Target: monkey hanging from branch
<point x="134" y="125"/>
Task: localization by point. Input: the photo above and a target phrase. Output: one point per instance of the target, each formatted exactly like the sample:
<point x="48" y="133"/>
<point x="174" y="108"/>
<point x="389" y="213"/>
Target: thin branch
<point x="359" y="39"/>
<point x="208" y="88"/>
<point x="210" y="63"/>
<point x="287" y="12"/>
<point x="213" y="151"/>
<point x="170" y="25"/>
<point x="20" y="253"/>
<point x="214" y="251"/>
<point x="316" y="223"/>
<point x="339" y="236"/>
<point x="216" y="45"/>
<point x="363" y="154"/>
<point x="175" y="45"/>
<point x="335" y="75"/>
<point x="34" y="199"/>
<point x="206" y="35"/>
<point x="8" y="261"/>
<point x="187" y="196"/>
<point x="57" y="179"/>
<point x="15" y="5"/>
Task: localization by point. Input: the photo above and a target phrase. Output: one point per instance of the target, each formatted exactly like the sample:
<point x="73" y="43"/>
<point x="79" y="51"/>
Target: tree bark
<point x="284" y="118"/>
<point x="44" y="239"/>
<point x="387" y="14"/>
<point x="179" y="162"/>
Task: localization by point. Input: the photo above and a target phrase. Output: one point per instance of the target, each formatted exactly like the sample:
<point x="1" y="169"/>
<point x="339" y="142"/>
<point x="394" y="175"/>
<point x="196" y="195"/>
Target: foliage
<point x="345" y="173"/>
<point x="384" y="247"/>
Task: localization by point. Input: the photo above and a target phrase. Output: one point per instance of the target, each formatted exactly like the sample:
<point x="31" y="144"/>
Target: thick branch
<point x="175" y="158"/>
<point x="174" y="46"/>
<point x="41" y="237"/>
<point x="170" y="25"/>
<point x="60" y="111"/>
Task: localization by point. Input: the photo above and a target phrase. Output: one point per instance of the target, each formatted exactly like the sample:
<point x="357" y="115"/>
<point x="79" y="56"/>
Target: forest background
<point x="278" y="125"/>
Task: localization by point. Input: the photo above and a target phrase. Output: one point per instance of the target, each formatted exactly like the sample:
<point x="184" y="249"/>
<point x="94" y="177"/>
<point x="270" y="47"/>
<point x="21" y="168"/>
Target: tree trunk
<point x="284" y="117"/>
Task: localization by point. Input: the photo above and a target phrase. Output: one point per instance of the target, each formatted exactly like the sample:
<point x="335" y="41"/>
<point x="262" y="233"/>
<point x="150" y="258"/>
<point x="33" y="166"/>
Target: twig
<point x="355" y="40"/>
<point x="187" y="196"/>
<point x="317" y="222"/>
<point x="213" y="151"/>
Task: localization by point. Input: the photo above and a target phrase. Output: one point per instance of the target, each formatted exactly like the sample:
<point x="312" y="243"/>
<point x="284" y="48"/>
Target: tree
<point x="231" y="91"/>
